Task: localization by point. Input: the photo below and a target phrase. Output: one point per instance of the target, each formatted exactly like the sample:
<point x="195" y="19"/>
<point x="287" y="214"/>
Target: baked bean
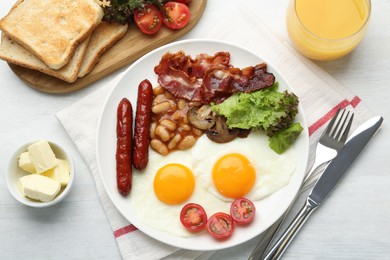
<point x="159" y="146"/>
<point x="194" y="104"/>
<point x="187" y="142"/>
<point x="162" y="132"/>
<point x="197" y="131"/>
<point x="169" y="124"/>
<point x="181" y="104"/>
<point x="161" y="107"/>
<point x="158" y="90"/>
<point x="173" y="107"/>
<point x="186" y="127"/>
<point x="159" y="99"/>
<point x="152" y="129"/>
<point x="177" y="115"/>
<point x="169" y="95"/>
<point x="185" y="119"/>
<point x="174" y="141"/>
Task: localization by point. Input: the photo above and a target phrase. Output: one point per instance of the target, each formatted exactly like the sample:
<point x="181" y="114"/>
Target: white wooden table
<point x="78" y="228"/>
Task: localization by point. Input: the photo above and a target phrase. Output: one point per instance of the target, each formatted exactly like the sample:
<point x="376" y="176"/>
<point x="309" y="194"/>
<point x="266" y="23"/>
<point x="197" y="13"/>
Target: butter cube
<point x="25" y="162"/>
<point x="42" y="156"/>
<point x="59" y="173"/>
<point x="39" y="187"/>
<point x="22" y="182"/>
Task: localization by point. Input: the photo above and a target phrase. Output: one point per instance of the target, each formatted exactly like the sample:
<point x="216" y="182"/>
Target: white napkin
<point x="319" y="93"/>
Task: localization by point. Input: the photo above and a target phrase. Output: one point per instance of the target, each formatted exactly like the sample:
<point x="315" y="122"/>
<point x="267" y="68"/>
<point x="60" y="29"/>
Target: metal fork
<point x="329" y="145"/>
<point x="331" y="141"/>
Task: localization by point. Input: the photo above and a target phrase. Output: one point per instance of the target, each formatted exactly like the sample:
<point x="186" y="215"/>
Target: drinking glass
<point x="327" y="29"/>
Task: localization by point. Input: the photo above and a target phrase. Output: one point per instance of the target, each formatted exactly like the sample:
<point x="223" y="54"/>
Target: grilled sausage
<point x="124" y="133"/>
<point x="143" y="120"/>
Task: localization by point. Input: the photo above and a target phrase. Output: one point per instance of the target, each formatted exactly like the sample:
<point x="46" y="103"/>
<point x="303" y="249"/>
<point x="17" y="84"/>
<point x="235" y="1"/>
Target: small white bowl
<point x="15" y="172"/>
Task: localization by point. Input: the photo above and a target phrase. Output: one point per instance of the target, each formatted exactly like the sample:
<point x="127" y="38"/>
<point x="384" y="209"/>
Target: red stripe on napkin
<point x="124" y="230"/>
<point x="343" y="104"/>
<point x="355" y="101"/>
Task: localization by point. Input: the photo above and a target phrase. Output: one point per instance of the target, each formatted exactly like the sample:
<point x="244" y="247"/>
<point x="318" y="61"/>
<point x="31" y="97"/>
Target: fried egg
<point x="209" y="174"/>
<point x="244" y="167"/>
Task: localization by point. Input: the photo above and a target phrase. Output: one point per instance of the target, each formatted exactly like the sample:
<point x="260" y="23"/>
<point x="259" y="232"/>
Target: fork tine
<point x="339" y="130"/>
<point x="338" y="127"/>
<point x="331" y="123"/>
<point x="346" y="131"/>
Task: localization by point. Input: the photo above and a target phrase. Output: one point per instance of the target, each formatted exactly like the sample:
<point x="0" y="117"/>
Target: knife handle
<point x="284" y="241"/>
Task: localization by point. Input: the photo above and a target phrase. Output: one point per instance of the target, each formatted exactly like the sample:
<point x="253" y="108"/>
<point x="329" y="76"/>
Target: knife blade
<point x="335" y="170"/>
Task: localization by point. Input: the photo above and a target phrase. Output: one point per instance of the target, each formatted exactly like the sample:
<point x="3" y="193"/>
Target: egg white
<point x="273" y="172"/>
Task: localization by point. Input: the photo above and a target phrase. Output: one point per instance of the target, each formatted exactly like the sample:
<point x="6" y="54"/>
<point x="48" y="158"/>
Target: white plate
<point x="268" y="209"/>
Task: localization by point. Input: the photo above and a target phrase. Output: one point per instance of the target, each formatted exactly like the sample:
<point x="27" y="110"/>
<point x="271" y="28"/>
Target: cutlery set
<point x="337" y="153"/>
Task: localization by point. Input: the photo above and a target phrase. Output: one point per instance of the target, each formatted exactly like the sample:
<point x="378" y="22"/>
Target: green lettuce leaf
<point x="265" y="109"/>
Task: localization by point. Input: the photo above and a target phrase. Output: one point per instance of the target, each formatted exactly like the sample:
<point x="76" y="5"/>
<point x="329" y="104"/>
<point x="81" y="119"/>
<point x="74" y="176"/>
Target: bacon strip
<point x="209" y="78"/>
<point x="192" y="67"/>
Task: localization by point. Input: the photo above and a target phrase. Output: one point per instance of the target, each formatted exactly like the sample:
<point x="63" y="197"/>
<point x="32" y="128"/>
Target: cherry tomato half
<point x="220" y="225"/>
<point x="148" y="19"/>
<point x="176" y="15"/>
<point x="242" y="211"/>
<point x="193" y="217"/>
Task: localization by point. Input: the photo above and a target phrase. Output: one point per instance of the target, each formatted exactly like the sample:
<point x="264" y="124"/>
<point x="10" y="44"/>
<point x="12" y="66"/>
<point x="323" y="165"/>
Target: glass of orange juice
<point x="327" y="29"/>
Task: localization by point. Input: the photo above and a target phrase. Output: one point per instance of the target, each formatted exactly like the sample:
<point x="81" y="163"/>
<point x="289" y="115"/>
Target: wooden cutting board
<point x="131" y="47"/>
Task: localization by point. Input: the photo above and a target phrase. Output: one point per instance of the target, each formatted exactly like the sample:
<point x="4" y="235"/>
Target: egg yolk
<point x="174" y="183"/>
<point x="233" y="175"/>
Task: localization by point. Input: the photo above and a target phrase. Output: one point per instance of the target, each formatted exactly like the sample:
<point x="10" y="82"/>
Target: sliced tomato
<point x="193" y="217"/>
<point x="220" y="225"/>
<point x="176" y="15"/>
<point x="148" y="19"/>
<point x="242" y="211"/>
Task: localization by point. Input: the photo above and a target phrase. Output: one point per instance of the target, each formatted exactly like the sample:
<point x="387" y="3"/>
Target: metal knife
<point x="325" y="184"/>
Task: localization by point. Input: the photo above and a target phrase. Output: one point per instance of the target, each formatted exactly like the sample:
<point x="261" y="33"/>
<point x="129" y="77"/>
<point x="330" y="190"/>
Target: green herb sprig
<point x="122" y="11"/>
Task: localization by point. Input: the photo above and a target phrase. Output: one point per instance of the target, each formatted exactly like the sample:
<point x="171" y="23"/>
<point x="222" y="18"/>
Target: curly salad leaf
<point x="122" y="11"/>
<point x="266" y="109"/>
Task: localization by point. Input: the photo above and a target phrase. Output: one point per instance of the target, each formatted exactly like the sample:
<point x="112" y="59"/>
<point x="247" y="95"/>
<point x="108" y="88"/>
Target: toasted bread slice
<point x="102" y="38"/>
<point x="12" y="52"/>
<point x="51" y="29"/>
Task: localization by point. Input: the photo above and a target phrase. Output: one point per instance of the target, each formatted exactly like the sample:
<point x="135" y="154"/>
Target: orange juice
<point x="327" y="29"/>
